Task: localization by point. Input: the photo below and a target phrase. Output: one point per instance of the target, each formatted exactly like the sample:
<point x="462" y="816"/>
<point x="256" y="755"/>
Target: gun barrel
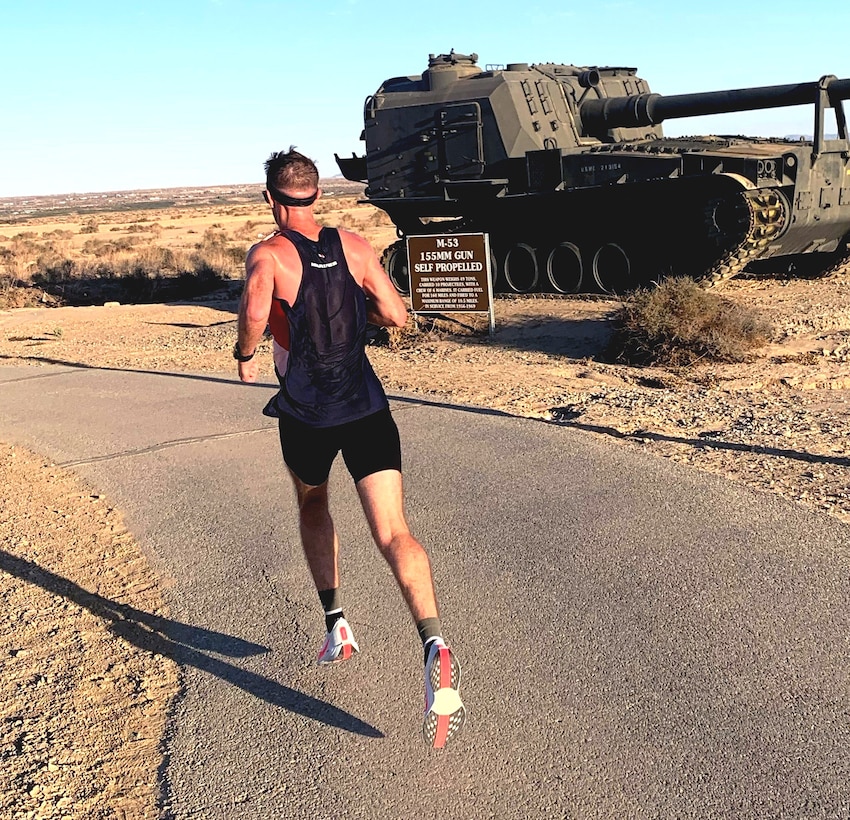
<point x="650" y="109"/>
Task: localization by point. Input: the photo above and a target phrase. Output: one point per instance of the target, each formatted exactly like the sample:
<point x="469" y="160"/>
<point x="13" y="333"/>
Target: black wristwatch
<point x="240" y="356"/>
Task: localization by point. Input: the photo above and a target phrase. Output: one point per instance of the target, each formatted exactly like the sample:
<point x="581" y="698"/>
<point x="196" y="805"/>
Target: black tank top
<point x="328" y="378"/>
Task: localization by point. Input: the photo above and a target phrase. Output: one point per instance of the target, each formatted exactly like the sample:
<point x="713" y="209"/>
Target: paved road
<point x="638" y="639"/>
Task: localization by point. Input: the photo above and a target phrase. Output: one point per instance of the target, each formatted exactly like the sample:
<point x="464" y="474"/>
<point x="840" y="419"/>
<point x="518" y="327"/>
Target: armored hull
<point x="567" y="169"/>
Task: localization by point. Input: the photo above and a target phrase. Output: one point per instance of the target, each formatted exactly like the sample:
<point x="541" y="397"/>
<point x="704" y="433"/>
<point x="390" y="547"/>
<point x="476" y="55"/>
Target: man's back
<point x="328" y="379"/>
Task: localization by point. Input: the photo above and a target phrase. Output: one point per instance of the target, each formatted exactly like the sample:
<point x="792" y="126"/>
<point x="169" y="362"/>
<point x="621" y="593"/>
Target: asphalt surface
<point x="637" y="639"/>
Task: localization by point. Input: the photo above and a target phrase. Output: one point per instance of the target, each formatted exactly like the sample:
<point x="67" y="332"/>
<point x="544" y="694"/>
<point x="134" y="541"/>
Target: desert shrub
<point x="348" y="221"/>
<point x="90" y="226"/>
<point x="326" y="204"/>
<point x="161" y="260"/>
<point x="100" y="248"/>
<point x="12" y="264"/>
<point x="226" y="260"/>
<point x="248" y="232"/>
<point x="28" y="255"/>
<point x="216" y="253"/>
<point x="150" y="262"/>
<point x="377" y="219"/>
<point x="679" y="323"/>
<point x="152" y="227"/>
<point x="23" y="244"/>
<point x="10" y="269"/>
<point x="214" y="237"/>
<point x="126" y="268"/>
<point x="51" y="270"/>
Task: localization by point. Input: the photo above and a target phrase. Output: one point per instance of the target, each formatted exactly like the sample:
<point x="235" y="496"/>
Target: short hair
<point x="290" y="170"/>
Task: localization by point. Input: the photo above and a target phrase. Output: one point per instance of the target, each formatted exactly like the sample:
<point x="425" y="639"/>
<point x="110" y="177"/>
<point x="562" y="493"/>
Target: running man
<point x="316" y="288"/>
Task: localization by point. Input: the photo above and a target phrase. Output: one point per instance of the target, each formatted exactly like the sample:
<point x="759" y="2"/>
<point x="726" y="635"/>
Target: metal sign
<point x="450" y="273"/>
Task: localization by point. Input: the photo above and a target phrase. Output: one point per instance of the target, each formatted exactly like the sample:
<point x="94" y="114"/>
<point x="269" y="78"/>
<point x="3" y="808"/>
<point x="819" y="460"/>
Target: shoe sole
<point x="446" y="715"/>
<point x="345" y="652"/>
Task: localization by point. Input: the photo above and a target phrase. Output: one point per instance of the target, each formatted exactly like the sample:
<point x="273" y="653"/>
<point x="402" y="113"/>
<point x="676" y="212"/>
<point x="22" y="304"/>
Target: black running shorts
<point x="368" y="445"/>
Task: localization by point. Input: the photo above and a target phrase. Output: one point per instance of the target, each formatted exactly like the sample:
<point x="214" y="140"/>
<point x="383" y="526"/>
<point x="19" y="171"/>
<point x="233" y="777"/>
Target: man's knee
<point x="312" y="503"/>
<point x="396" y="543"/>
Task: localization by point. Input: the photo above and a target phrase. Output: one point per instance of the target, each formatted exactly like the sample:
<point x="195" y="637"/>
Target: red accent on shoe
<point x="442" y="731"/>
<point x="445" y="668"/>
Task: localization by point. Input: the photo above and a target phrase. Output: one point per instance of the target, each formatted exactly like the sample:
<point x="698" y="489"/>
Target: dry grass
<point x="128" y="256"/>
<point x="678" y="323"/>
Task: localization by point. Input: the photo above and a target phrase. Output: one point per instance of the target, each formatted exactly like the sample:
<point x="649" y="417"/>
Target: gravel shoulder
<point x="73" y="575"/>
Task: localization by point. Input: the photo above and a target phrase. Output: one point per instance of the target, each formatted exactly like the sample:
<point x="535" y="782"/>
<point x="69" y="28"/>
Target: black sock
<point x="330" y="604"/>
<point x="429" y="629"/>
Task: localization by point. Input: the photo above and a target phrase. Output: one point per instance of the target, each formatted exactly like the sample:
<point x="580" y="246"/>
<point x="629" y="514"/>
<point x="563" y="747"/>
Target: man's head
<point x="291" y="178"/>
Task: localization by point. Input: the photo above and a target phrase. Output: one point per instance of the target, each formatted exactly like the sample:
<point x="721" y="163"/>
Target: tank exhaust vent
<point x="589" y="78"/>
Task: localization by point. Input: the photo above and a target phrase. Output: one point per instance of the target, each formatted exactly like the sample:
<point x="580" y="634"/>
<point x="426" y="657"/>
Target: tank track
<point x="768" y="215"/>
<point x="763" y="217"/>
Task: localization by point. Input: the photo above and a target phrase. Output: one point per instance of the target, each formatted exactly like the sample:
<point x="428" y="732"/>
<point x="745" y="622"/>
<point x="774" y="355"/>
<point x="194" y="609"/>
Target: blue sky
<point x="100" y="96"/>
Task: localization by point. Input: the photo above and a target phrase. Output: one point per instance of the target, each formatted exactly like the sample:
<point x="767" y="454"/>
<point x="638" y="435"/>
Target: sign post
<point x="450" y="273"/>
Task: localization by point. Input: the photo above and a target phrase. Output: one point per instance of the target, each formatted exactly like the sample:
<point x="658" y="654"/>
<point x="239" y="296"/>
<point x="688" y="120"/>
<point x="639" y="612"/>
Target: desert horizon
<point x="28" y="205"/>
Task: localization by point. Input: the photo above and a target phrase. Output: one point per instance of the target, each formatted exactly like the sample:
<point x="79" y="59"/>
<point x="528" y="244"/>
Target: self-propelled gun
<point x="568" y="171"/>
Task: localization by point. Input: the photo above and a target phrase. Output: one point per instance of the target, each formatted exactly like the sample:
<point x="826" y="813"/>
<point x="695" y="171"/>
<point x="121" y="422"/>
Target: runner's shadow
<point x="81" y="366"/>
<point x="187" y="646"/>
<point x="192" y="325"/>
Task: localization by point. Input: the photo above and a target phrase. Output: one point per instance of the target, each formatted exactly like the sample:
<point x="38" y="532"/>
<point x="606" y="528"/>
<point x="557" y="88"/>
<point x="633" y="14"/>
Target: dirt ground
<point x="84" y="694"/>
<point x="83" y="691"/>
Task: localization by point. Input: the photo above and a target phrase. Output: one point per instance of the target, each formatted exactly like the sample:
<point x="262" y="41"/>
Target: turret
<point x="459" y="121"/>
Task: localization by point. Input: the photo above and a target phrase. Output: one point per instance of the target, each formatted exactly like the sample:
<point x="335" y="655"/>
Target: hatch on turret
<point x="445" y="69"/>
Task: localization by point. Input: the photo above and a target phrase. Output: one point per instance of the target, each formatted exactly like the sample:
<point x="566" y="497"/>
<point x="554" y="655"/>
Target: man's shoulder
<point x="273" y="244"/>
<point x="353" y="241"/>
<point x="274" y="254"/>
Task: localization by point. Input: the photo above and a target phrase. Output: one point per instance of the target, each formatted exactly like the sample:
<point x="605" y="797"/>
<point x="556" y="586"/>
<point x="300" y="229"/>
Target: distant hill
<point x="152" y="199"/>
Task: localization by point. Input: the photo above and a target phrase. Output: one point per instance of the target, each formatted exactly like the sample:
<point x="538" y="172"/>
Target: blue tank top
<point x="328" y="379"/>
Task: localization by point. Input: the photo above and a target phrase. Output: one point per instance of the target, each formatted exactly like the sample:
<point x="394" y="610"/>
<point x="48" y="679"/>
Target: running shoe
<point x="339" y="644"/>
<point x="444" y="712"/>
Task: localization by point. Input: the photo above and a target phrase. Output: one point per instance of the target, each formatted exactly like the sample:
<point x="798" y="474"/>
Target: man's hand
<point x="249" y="370"/>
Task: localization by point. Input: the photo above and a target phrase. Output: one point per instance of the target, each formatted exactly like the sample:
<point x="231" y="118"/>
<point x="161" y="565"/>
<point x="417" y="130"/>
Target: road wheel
<point x="612" y="269"/>
<point x="564" y="268"/>
<point x="520" y="268"/>
<point x="394" y="260"/>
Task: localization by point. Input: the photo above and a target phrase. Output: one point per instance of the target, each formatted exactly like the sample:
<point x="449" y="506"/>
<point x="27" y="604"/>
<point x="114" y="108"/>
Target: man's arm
<point x="384" y="305"/>
<point x="254" y="308"/>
